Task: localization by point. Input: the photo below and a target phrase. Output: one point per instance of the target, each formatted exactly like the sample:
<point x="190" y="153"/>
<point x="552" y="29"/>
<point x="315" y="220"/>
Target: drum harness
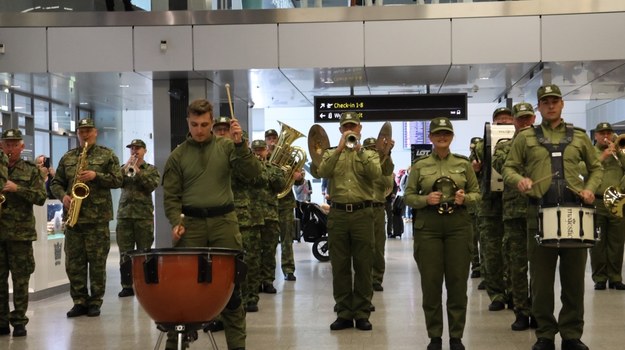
<point x="557" y="193"/>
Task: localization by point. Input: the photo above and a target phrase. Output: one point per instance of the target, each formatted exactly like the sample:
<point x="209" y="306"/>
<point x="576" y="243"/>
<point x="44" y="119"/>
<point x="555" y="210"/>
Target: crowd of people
<point x="448" y="199"/>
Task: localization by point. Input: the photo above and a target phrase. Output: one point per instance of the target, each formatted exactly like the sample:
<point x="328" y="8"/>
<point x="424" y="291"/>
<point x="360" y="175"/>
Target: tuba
<point x="290" y="159"/>
<point x="614" y="200"/>
<point x="80" y="190"/>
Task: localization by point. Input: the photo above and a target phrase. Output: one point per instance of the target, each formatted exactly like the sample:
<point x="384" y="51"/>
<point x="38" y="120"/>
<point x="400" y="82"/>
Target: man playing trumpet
<point x="606" y="257"/>
<point x="135" y="214"/>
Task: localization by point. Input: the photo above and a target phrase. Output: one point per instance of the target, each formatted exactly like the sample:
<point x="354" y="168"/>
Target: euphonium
<point x="80" y="190"/>
<point x="614" y="200"/>
<point x="289" y="159"/>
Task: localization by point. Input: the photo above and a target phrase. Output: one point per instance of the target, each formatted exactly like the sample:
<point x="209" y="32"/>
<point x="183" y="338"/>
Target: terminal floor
<point x="299" y="316"/>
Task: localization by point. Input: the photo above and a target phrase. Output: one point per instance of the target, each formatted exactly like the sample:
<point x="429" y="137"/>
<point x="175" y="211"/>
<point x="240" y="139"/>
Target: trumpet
<point x="130" y="169"/>
<point x="351" y="140"/>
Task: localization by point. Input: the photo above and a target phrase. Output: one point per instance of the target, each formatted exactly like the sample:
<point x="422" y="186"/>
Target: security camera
<point x="250" y="104"/>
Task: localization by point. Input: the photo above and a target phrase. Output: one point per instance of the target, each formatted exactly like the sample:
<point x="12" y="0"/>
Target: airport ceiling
<point x="276" y="88"/>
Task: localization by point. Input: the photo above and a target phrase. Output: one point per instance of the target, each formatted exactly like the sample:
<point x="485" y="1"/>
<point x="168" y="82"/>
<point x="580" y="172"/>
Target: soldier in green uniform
<point x="439" y="188"/>
<point x="286" y="217"/>
<point x="135" y="213"/>
<point x="543" y="163"/>
<point x="380" y="186"/>
<point x="489" y="212"/>
<point x="515" y="225"/>
<point x="472" y="209"/>
<point x="23" y="188"/>
<point x="606" y="257"/>
<point x="351" y="172"/>
<point x="87" y="243"/>
<point x="268" y="186"/>
<point x="197" y="183"/>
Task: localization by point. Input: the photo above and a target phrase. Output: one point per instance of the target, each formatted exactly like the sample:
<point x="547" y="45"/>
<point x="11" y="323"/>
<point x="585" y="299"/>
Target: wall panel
<point x="407" y="43"/>
<point x="93" y="49"/>
<point x="321" y="45"/>
<point x="25" y="50"/>
<point x="495" y="40"/>
<point x="177" y="56"/>
<point x="256" y="46"/>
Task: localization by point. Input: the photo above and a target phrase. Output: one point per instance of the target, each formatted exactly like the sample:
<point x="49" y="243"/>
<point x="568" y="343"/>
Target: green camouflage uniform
<point x="350" y="233"/>
<point x="527" y="157"/>
<point x="87" y="244"/>
<point x="380" y="185"/>
<point x="515" y="235"/>
<point x="286" y="216"/>
<point x="489" y="212"/>
<point x="472" y="209"/>
<point x="135" y="217"/>
<point x="17" y="231"/>
<point x="442" y="242"/>
<point x="3" y="169"/>
<point x="606" y="257"/>
<point x="199" y="175"/>
<point x="273" y="180"/>
<point x="251" y="218"/>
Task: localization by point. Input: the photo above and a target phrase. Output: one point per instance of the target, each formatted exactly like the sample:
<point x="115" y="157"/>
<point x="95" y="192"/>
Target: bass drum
<point x="183" y="285"/>
<point x="492" y="135"/>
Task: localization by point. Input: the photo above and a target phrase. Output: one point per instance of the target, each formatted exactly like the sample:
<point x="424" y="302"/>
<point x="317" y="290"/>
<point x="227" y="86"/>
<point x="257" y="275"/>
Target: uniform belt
<point x="207" y="212"/>
<point x="350" y="207"/>
<point x="377" y="204"/>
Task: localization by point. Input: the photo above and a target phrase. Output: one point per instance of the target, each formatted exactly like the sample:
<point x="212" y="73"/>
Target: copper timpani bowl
<point x="183" y="285"/>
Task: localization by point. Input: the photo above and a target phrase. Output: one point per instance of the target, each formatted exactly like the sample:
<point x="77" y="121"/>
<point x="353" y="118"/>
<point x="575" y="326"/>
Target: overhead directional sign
<point x="392" y="107"/>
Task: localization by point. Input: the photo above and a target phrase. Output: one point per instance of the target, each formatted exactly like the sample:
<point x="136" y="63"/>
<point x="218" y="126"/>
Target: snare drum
<point x="566" y="226"/>
<point x="184" y="285"/>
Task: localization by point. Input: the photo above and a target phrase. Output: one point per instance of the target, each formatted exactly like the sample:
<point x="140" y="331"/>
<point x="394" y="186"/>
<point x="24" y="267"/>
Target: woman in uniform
<point x="439" y="188"/>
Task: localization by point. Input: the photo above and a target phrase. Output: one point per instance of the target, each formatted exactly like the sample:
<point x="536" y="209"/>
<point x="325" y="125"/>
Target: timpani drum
<point x="567" y="226"/>
<point x="183" y="285"/>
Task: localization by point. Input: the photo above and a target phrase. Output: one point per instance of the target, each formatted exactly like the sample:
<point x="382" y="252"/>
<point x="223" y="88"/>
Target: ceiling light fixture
<point x="124" y="85"/>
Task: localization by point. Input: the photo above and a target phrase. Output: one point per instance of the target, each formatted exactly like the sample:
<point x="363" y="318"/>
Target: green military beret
<point x="522" y="109"/>
<point x="271" y="132"/>
<point x="137" y="143"/>
<point x="501" y="110"/>
<point x="349" y="117"/>
<point x="259" y="144"/>
<point x="222" y="120"/>
<point x="603" y="126"/>
<point x="369" y="142"/>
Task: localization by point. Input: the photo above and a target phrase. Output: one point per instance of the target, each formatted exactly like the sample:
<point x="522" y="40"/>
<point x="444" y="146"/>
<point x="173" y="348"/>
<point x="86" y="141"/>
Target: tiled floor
<point x="298" y="317"/>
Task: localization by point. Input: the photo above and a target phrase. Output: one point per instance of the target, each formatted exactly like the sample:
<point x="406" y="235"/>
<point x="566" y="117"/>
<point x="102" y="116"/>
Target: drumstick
<point x="237" y="137"/>
<point x="574" y="191"/>
<point x="545" y="178"/>
<point x="230" y="101"/>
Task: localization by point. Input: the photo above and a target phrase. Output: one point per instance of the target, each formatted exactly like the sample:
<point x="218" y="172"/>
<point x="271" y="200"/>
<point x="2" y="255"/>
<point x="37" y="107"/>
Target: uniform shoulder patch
<point x="421" y="158"/>
<point x="461" y="156"/>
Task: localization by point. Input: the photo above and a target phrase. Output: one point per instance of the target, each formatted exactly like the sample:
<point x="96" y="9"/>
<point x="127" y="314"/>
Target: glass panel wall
<point x="42" y="114"/>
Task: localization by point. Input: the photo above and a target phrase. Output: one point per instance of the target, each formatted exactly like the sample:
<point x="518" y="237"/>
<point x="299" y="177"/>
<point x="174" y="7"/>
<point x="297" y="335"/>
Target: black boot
<point x="521" y="323"/>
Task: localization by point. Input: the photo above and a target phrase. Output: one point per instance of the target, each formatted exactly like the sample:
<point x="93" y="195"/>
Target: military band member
<point x="351" y="172"/>
<point x="515" y="225"/>
<point x="88" y="242"/>
<point x="553" y="151"/>
<point x="286" y="216"/>
<point x="270" y="183"/>
<point x="442" y="232"/>
<point x="23" y="188"/>
<point x="380" y="186"/>
<point x="197" y="183"/>
<point x="493" y="267"/>
<point x="135" y="213"/>
<point x="606" y="257"/>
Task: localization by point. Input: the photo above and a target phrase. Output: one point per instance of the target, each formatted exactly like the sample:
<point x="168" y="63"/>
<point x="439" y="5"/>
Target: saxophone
<point x="80" y="191"/>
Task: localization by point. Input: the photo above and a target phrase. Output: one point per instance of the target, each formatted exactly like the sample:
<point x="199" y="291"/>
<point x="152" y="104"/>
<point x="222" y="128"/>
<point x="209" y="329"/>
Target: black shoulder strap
<point x="557" y="193"/>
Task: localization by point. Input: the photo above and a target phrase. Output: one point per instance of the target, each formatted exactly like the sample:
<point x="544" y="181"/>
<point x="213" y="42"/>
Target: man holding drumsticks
<point x="555" y="148"/>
